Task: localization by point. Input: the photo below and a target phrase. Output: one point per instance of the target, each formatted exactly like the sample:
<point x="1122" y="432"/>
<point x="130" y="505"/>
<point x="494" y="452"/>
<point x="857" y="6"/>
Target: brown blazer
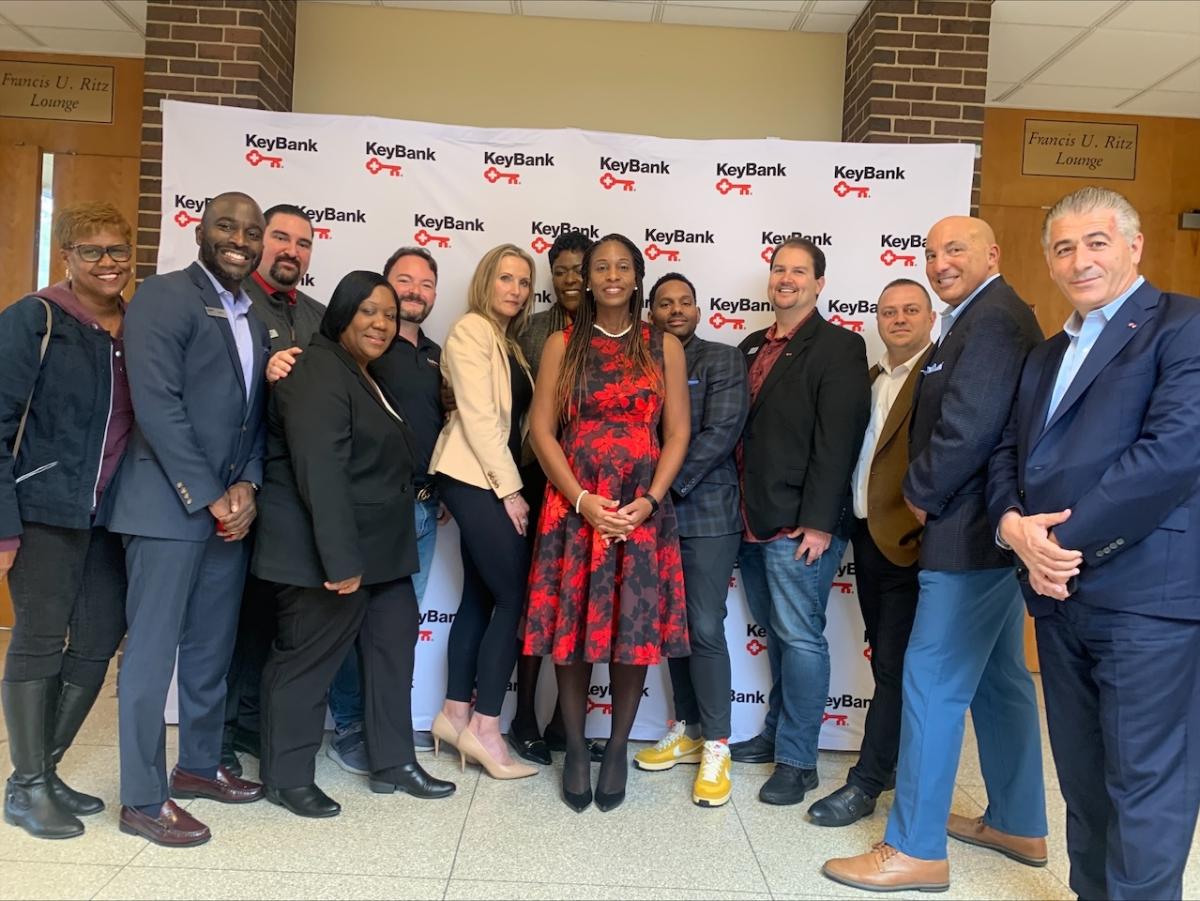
<point x="893" y="527"/>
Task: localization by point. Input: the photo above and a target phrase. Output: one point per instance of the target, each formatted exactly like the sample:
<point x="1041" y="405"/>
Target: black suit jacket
<point x="337" y="495"/>
<point x="960" y="410"/>
<point x="287" y="326"/>
<point x="804" y="430"/>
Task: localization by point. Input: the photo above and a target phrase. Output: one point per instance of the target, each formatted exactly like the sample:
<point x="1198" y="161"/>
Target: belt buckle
<point x="425" y="493"/>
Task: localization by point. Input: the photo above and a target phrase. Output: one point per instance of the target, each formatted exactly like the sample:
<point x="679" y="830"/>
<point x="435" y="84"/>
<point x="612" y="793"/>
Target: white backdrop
<point x="710" y="209"/>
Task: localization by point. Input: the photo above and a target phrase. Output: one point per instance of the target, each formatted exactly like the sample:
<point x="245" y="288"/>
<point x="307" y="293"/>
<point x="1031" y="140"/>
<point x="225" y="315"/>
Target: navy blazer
<point x="706" y="489"/>
<point x="1122" y="452"/>
<point x="960" y="407"/>
<point x="199" y="428"/>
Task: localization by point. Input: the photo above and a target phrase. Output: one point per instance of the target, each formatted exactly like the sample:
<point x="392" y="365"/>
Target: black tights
<point x="524" y="723"/>
<point x="626" y="686"/>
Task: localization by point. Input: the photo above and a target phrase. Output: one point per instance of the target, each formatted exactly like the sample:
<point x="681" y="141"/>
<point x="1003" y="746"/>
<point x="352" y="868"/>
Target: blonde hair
<point x="479" y="297"/>
<point x="86" y="219"/>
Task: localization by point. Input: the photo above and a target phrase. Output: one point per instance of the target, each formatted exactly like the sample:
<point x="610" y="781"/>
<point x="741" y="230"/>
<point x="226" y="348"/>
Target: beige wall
<point x="492" y="71"/>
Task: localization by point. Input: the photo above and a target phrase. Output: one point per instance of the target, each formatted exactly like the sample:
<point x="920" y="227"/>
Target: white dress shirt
<point x="884" y="391"/>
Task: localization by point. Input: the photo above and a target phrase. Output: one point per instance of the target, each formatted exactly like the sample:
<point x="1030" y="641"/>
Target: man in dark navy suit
<point x="1094" y="487"/>
<point x="184" y="500"/>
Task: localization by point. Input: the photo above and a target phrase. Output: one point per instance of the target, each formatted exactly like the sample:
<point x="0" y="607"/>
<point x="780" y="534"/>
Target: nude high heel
<point x="443" y="731"/>
<point x="470" y="746"/>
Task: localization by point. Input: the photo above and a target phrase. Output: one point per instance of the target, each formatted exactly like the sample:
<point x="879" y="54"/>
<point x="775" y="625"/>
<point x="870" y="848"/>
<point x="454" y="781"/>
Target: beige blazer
<point x="473" y="445"/>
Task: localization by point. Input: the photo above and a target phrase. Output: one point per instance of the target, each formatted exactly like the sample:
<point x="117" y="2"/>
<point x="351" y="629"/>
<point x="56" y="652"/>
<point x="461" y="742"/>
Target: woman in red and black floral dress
<point x="607" y="583"/>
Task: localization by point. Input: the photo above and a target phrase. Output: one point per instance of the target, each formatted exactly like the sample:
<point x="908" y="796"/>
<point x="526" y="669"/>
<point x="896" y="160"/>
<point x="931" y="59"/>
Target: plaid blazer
<point x="706" y="490"/>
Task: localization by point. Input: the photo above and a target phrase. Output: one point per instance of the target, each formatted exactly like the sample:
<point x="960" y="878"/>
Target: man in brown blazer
<point x="886" y="539"/>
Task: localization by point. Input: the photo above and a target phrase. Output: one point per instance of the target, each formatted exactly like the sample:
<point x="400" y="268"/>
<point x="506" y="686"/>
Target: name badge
<point x="272" y="333"/>
<point x="752" y="350"/>
<point x="216" y="312"/>
<point x="693" y="381"/>
<point x="432" y="362"/>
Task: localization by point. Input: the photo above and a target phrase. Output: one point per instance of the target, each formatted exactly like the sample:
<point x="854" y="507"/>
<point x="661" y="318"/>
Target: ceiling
<point x="1125" y="56"/>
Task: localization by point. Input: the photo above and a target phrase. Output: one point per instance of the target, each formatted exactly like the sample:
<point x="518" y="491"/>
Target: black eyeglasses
<point x="91" y="253"/>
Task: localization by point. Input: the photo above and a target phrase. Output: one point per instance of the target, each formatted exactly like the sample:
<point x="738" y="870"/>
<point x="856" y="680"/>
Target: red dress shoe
<point x="226" y="787"/>
<point x="174" y="827"/>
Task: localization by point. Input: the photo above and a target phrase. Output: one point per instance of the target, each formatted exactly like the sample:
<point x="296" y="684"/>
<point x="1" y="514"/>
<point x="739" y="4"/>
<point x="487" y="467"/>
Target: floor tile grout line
<point x="750" y="844"/>
<point x="668" y="888"/>
<point x="461" y="832"/>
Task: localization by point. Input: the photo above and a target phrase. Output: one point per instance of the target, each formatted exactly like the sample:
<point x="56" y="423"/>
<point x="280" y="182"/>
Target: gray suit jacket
<point x="199" y="428"/>
<point x="286" y="327"/>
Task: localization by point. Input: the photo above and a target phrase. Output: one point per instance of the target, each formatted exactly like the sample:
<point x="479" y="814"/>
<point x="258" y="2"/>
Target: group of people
<point x="230" y="476"/>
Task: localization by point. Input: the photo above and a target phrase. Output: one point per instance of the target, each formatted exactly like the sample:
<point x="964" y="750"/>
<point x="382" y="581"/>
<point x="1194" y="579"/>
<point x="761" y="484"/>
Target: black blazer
<point x="804" y="430"/>
<point x="960" y="408"/>
<point x="337" y="496"/>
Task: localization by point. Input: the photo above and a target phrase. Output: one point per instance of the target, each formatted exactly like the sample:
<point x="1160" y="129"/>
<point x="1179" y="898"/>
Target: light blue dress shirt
<point x="1084" y="333"/>
<point x="238" y="311"/>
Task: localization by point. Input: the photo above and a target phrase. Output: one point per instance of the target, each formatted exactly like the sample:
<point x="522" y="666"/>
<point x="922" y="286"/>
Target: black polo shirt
<point x="413" y="377"/>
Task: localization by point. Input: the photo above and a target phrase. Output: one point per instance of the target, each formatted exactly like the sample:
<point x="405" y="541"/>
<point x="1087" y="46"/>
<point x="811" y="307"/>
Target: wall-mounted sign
<point x="1080" y="149"/>
<point x="61" y="91"/>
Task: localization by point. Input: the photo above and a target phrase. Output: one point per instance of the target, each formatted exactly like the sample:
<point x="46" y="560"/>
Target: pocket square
<point x="932" y="368"/>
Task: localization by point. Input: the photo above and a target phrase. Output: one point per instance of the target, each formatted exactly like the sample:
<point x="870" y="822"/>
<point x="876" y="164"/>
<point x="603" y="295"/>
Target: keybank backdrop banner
<point x="710" y="209"/>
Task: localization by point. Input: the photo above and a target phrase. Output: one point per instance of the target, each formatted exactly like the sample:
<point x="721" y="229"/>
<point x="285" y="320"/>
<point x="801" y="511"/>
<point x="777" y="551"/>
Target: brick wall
<point x="916" y="73"/>
<point x="229" y="52"/>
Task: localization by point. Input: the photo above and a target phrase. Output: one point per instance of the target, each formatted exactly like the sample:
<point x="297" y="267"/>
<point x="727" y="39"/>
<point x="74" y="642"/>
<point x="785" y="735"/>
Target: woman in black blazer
<point x="336" y="532"/>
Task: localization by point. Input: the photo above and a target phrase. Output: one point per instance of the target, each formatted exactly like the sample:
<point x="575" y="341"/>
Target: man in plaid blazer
<point x="706" y="503"/>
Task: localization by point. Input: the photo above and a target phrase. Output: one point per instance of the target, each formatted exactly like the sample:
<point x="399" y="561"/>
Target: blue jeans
<point x="967" y="648"/>
<point x="346" y="690"/>
<point x="787" y="597"/>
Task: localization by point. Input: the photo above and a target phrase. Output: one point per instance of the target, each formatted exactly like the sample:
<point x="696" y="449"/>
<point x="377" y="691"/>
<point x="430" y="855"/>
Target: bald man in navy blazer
<point x="1095" y="486"/>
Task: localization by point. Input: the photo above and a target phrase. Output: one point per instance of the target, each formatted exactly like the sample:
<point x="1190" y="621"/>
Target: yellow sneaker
<point x="673" y="748"/>
<point x="713" y="784"/>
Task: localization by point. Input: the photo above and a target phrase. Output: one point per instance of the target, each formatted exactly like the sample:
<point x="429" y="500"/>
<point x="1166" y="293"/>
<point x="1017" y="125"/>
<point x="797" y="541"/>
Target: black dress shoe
<point x="411" y="779"/>
<point x="558" y="743"/>
<point x="305" y="801"/>
<point x="787" y="785"/>
<point x="534" y="750"/>
<point x="845" y="806"/>
<point x="759" y="749"/>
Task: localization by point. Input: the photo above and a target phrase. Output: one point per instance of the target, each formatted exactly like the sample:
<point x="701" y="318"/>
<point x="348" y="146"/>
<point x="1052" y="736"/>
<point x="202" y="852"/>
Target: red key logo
<point x="755" y="647"/>
<point x="376" y="165"/>
<point x="890" y="258"/>
<point x="610" y="181"/>
<point x="855" y="325"/>
<point x="321" y="233"/>
<point x="183" y="218"/>
<point x="766" y="254"/>
<point x="720" y="320"/>
<point x="423" y="238"/>
<point x="653" y="252"/>
<point x="841" y="189"/>
<point x="606" y="709"/>
<point x="540" y="244"/>
<point x="725" y="186"/>
<point x="838" y="719"/>
<point x="492" y="174"/>
<point x="844" y="587"/>
<point x="254" y="158"/>
<point x="425" y="635"/>
<point x="867" y="652"/>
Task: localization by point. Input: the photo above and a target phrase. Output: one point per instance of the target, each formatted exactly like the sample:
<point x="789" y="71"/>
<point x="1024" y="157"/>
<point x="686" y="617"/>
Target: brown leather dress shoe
<point x="226" y="787"/>
<point x="174" y="827"/>
<point x="885" y="869"/>
<point x="1029" y="851"/>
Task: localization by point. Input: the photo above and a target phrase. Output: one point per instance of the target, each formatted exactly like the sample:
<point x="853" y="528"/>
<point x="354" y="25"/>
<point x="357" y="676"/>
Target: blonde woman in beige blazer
<point x="475" y="460"/>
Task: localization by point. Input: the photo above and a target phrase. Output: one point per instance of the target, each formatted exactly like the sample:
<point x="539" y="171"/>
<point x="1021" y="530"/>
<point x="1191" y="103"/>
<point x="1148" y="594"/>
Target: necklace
<point x="609" y="334"/>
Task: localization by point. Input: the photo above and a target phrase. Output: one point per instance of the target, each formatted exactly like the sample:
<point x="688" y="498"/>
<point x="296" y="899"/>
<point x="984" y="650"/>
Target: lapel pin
<point x="1133" y="325"/>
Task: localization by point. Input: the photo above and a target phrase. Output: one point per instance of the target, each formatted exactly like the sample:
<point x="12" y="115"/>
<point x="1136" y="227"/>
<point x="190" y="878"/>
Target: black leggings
<point x="495" y="562"/>
<point x="68" y="589"/>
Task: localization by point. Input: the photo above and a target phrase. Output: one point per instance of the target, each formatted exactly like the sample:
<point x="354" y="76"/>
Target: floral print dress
<point x="623" y="603"/>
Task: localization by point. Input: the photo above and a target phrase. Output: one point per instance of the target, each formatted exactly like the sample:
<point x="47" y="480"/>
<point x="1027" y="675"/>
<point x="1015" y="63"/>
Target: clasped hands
<point x="610" y="520"/>
<point x="234" y="511"/>
<point x="1050" y="565"/>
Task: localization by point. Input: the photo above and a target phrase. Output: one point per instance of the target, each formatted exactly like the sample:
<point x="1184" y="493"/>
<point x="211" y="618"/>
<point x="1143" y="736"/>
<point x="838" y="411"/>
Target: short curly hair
<point x="86" y="219"/>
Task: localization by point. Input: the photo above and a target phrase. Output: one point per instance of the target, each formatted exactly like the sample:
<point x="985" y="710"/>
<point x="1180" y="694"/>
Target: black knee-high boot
<point x="64" y="721"/>
<point x="28" y="797"/>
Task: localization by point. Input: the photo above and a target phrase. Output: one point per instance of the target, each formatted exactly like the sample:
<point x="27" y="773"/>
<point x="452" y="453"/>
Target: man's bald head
<point x="960" y="255"/>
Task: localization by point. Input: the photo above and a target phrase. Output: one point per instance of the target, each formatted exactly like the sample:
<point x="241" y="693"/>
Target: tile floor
<point x="493" y="840"/>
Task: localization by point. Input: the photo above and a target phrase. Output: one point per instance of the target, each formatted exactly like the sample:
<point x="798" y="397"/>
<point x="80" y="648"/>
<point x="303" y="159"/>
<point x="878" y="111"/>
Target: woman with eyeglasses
<point x="65" y="417"/>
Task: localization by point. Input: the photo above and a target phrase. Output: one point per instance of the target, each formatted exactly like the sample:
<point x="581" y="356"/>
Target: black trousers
<point x="701" y="682"/>
<point x="315" y="630"/>
<point x="256" y="630"/>
<point x="68" y="589"/>
<point x="887" y="596"/>
<point x="483" y="640"/>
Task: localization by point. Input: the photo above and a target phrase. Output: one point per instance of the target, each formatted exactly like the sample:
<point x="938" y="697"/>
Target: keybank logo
<point x="772" y="239"/>
<point x="542" y="231"/>
<point x="720" y="307"/>
<point x="429" y="228"/>
<point x="849" y="179"/>
<point x="189" y="209"/>
<point x="733" y="176"/>
<point x="377" y="153"/>
<point x="661" y="236"/>
<point x="273" y="146"/>
<point x="626" y="167"/>
<point x="500" y="165"/>
<point x="892" y="243"/>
